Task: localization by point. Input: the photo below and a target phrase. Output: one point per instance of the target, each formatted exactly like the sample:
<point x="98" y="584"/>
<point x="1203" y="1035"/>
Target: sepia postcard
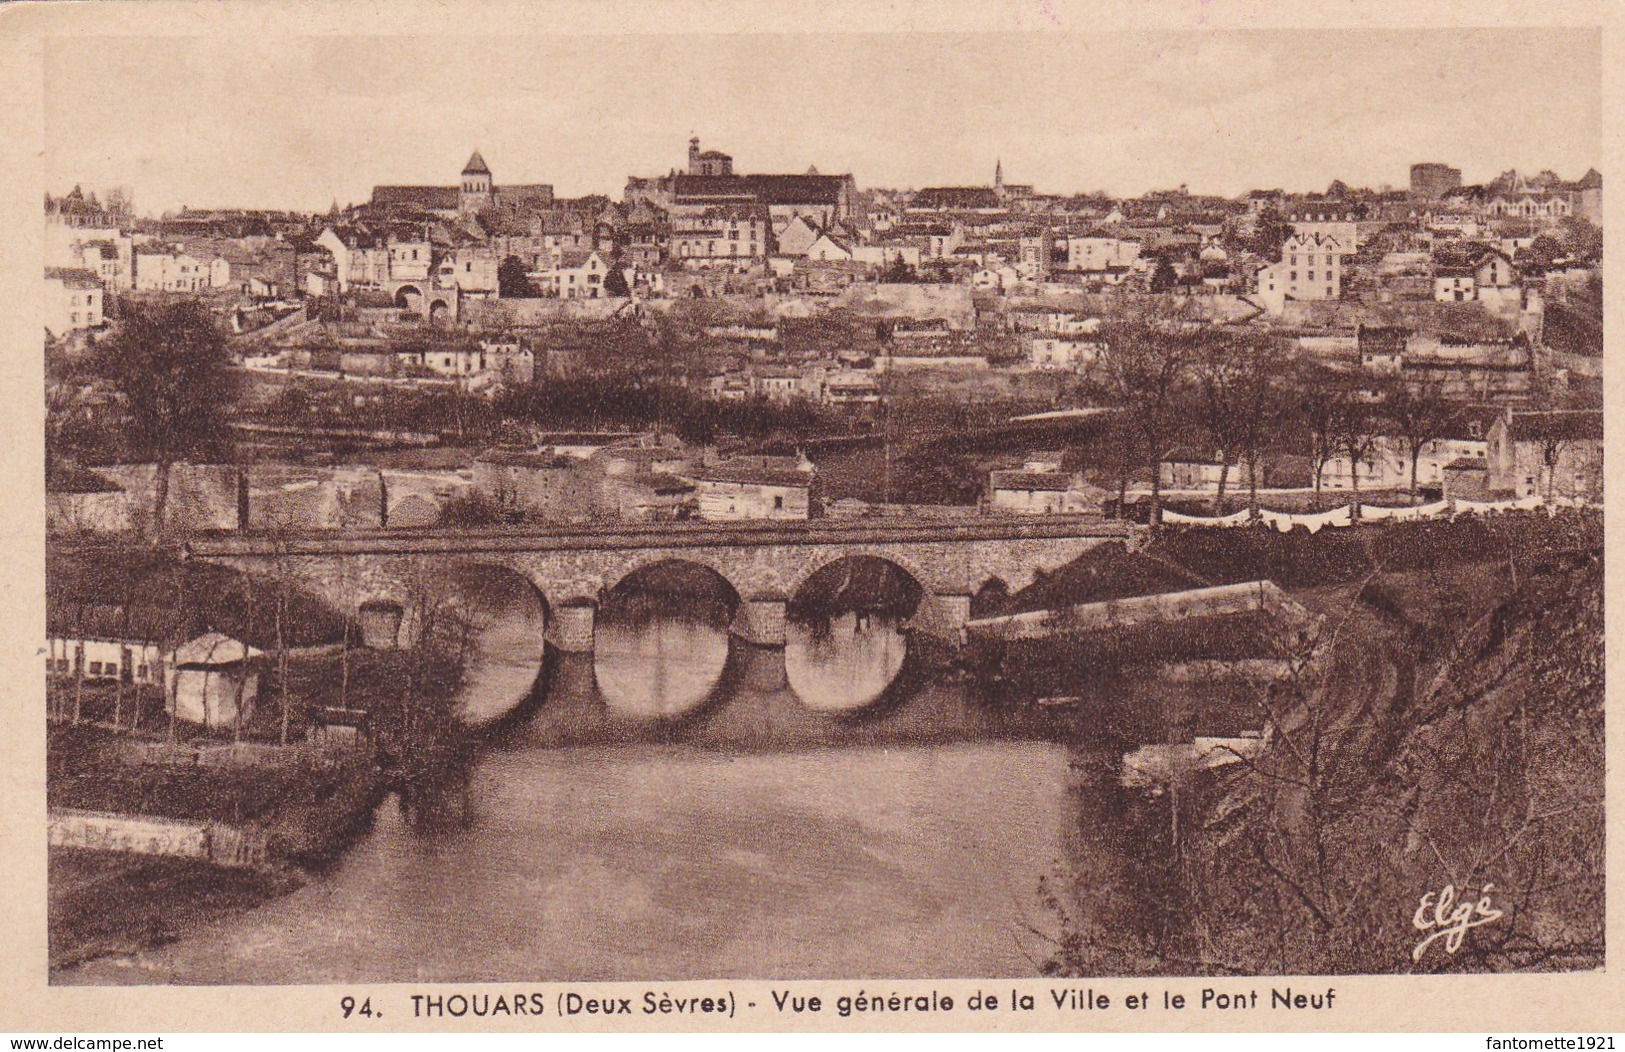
<point x="705" y="516"/>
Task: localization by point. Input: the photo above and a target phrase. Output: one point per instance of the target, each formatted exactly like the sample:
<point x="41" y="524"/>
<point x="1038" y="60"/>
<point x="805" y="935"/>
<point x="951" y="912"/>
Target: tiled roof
<point x="1048" y="481"/>
<point x="73" y="277"/>
<point x="768" y="189"/>
<point x="430" y="198"/>
<point x="1562" y="424"/>
<point x="212" y="649"/>
<point x="752" y="476"/>
<point x="476" y="165"/>
<point x="951" y="197"/>
<point x="1383" y="339"/>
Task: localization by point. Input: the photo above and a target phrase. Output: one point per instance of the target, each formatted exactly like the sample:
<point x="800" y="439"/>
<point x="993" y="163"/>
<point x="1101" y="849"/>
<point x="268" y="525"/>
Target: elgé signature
<point x="1446" y="918"/>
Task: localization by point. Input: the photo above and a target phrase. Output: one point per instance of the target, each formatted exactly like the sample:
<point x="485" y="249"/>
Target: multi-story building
<point x="1311" y="268"/>
<point x="825" y="200"/>
<point x="73" y="300"/>
<point x="1547" y="454"/>
<point x="720" y="234"/>
<point x="178" y="272"/>
<point x="1100" y="253"/>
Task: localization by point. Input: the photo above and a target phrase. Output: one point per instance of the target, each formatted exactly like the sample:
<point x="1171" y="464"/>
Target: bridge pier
<point x="760" y="621"/>
<point x="573" y="627"/>
<point x="943" y="617"/>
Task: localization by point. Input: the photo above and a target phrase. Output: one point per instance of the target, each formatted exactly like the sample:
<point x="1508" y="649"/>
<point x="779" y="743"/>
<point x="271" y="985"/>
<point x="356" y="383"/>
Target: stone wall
<point x="1247" y="597"/>
<point x="215" y="842"/>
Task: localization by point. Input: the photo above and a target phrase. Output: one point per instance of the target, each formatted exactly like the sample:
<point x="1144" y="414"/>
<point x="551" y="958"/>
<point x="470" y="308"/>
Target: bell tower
<point x="476" y="192"/>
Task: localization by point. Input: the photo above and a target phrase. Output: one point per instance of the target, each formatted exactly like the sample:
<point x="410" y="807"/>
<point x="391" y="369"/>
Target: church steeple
<point x="476" y="192"/>
<point x="998" y="177"/>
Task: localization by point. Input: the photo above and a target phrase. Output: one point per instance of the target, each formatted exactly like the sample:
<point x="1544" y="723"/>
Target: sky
<point x="302" y="122"/>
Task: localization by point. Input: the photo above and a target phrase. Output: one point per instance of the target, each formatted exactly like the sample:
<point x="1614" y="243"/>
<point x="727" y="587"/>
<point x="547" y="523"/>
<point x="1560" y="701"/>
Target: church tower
<point x="998" y="177"/>
<point x="476" y="192"/>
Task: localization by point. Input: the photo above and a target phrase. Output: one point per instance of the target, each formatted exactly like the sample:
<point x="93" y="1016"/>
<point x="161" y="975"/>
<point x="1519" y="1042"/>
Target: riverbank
<point x="1455" y="726"/>
<point x="296" y="806"/>
<point x="112" y="904"/>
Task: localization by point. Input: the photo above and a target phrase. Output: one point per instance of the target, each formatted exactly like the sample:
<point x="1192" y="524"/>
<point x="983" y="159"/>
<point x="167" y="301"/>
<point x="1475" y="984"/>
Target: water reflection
<point x="506" y="627"/>
<point x="843" y="662"/>
<point x="658" y="667"/>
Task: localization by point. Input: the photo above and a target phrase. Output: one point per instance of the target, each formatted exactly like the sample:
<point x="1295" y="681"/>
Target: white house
<point x="1311" y="268"/>
<point x="884" y="254"/>
<point x="1054" y="354"/>
<point x="828" y="249"/>
<point x="579" y="275"/>
<point x="1040" y="492"/>
<point x="73" y="300"/>
<point x="178" y="272"/>
<point x="1100" y="253"/>
<point x="212" y="681"/>
<point x="730" y="493"/>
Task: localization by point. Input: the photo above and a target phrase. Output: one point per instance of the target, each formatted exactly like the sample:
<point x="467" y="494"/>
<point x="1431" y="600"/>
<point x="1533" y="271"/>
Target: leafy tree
<point x="1270" y="233"/>
<point x="1541" y="252"/>
<point x="1220" y="376"/>
<point x="899" y="273"/>
<point x="615" y="282"/>
<point x="513" y="280"/>
<point x="1164" y="277"/>
<point x="167" y="361"/>
<point x="1582" y="239"/>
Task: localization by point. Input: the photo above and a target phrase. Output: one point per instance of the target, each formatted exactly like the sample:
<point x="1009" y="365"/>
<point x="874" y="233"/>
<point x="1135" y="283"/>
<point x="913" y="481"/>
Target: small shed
<point x="213" y="681"/>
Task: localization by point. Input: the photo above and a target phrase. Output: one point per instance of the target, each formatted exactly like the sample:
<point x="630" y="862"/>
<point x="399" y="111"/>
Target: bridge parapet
<point x="764" y="564"/>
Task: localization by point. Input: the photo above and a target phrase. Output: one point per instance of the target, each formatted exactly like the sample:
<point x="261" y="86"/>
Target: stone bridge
<point x="765" y="564"/>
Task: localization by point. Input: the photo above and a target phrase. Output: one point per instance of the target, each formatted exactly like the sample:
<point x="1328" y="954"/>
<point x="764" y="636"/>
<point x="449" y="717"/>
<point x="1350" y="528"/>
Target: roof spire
<point x="476" y="165"/>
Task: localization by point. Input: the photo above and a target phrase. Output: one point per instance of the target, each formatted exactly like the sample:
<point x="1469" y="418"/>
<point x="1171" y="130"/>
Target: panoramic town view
<point x="752" y="566"/>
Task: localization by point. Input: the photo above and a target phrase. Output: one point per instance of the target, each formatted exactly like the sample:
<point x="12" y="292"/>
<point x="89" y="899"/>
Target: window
<point x="1311" y="275"/>
<point x="75" y="317"/>
<point x="95" y="668"/>
<point x="1294" y="275"/>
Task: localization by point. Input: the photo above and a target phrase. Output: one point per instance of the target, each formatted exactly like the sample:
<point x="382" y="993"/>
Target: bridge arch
<point x="663" y="634"/>
<point x="643" y="564"/>
<point x="492" y="619"/>
<point x="912" y="572"/>
<point x="403" y="297"/>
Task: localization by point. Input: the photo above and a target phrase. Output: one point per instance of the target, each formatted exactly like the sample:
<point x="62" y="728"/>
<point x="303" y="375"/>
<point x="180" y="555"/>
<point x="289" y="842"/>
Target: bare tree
<point x="1419" y="413"/>
<point x="1354" y="431"/>
<point x="1220" y="380"/>
<point x="1147" y="363"/>
<point x="1266" y="409"/>
<point x="1319" y="391"/>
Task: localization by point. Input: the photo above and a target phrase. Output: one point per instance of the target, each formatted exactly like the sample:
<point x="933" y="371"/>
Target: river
<point x="907" y="843"/>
